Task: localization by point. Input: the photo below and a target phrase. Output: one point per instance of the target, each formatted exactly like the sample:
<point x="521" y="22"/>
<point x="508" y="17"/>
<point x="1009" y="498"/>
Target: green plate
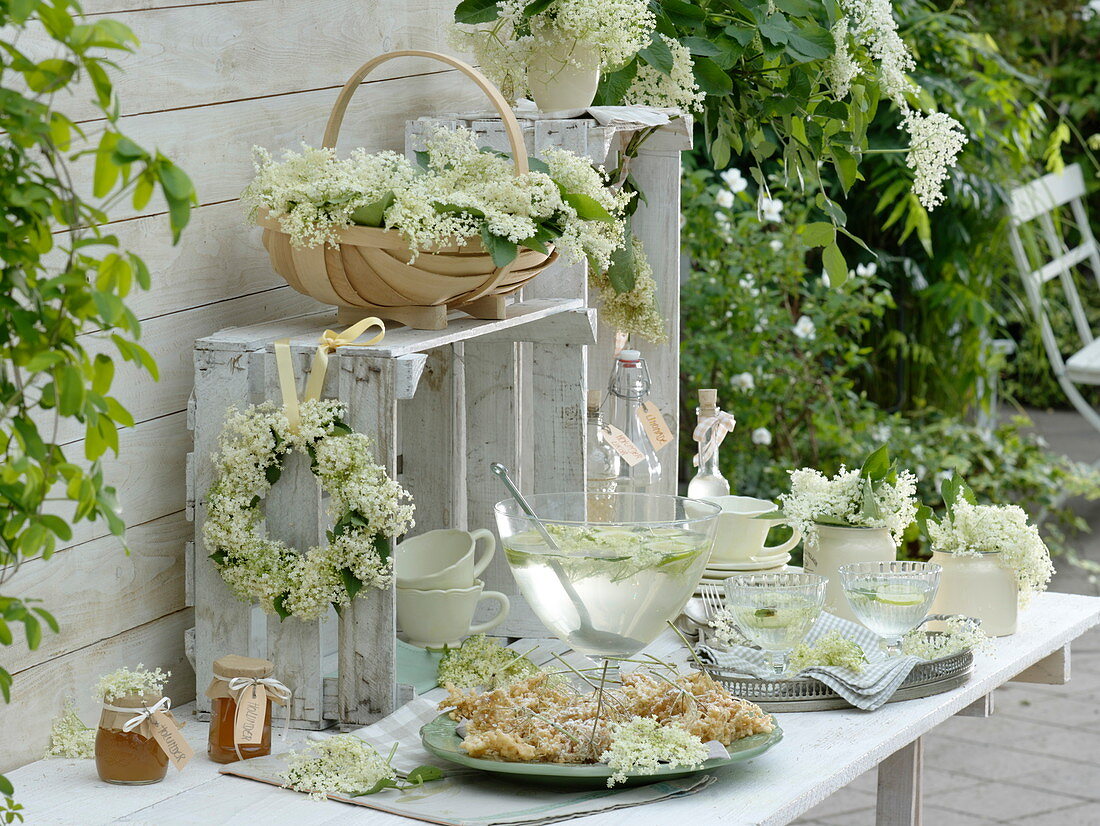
<point x="440" y="739"/>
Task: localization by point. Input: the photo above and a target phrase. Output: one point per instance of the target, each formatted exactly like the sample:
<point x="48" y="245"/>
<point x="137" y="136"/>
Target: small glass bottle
<point x="708" y="481"/>
<point x="128" y="758"/>
<point x="629" y="388"/>
<point x="222" y="746"/>
<point x="602" y="464"/>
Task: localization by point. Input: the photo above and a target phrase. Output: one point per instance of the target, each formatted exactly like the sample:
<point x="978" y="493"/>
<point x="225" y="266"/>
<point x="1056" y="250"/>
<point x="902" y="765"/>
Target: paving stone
<point x="1087" y="814"/>
<point x="1002" y="801"/>
<point x="841" y="802"/>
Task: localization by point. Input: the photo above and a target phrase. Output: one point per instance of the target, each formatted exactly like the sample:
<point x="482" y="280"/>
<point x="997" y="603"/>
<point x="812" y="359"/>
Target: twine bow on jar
<point x="330" y="342"/>
<point x="710" y="432"/>
<point x="143" y="714"/>
<point x="271" y="687"/>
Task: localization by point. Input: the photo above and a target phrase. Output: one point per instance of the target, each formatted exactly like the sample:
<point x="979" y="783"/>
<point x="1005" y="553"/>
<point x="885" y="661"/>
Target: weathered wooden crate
<point x="441" y="406"/>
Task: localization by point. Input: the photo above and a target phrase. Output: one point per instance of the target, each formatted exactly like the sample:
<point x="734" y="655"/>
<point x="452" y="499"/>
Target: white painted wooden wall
<point x="209" y="81"/>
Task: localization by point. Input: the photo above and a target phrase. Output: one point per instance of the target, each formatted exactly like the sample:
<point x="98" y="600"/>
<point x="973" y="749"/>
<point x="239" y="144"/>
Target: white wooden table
<point x="821" y="752"/>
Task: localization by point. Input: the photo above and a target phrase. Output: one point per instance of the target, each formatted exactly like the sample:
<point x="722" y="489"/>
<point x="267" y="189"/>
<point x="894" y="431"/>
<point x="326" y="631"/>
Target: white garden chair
<point x="1052" y="257"/>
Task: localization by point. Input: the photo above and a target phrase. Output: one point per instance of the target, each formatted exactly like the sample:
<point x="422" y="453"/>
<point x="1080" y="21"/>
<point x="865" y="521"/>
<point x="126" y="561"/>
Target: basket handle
<point x="511" y="125"/>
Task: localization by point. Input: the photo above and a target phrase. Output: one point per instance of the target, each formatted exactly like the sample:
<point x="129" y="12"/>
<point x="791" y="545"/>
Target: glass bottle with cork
<point x="240" y="717"/>
<point x="713" y="425"/>
<point x="628" y="391"/>
<point x="602" y="464"/>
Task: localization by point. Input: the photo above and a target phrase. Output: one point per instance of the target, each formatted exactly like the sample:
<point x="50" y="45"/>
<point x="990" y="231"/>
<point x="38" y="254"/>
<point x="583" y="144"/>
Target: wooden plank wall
<point x="210" y="80"/>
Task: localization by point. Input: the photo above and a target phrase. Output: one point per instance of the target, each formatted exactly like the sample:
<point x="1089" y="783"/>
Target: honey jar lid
<point x="234" y="665"/>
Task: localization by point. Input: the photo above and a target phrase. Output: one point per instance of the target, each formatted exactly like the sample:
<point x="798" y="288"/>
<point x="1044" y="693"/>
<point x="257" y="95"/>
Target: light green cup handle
<point x="491" y="548"/>
<point x="502" y="600"/>
<point x="796" y="537"/>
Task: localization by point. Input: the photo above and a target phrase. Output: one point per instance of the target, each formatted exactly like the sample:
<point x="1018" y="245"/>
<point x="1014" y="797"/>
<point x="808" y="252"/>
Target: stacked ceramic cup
<point x="740" y="544"/>
<point x="438" y="589"/>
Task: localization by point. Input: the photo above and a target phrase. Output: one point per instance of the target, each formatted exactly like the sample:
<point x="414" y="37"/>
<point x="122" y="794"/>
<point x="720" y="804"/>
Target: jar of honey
<point x="128" y="757"/>
<point x="240" y="717"/>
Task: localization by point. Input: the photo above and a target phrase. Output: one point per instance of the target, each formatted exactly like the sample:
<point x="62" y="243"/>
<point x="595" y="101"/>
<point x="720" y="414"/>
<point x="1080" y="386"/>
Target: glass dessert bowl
<point x="607" y="586"/>
<point x="890" y="598"/>
<point x="775" y="610"/>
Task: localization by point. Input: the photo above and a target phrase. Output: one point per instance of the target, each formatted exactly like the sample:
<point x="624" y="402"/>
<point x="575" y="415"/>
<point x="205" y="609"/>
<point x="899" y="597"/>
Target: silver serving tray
<point x="807" y="694"/>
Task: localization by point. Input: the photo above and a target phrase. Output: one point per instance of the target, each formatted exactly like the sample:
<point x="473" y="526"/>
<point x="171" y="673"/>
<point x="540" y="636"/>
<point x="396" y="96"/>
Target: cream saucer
<point x="763" y="564"/>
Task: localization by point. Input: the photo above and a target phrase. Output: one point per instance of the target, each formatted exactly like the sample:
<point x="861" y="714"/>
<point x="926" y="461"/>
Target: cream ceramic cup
<point x="743" y="530"/>
<point x="443" y="559"/>
<point x="434" y="618"/>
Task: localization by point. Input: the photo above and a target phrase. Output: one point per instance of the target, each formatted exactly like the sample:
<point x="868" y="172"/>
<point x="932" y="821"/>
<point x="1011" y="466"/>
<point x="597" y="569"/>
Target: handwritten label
<point x="248" y="725"/>
<point x="622" y="444"/>
<point x="654" y="424"/>
<point x="167" y="733"/>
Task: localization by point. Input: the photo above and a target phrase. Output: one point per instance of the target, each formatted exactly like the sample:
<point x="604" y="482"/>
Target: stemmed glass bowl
<point x="775" y="610"/>
<point x="890" y="598"/>
<point x="614" y="575"/>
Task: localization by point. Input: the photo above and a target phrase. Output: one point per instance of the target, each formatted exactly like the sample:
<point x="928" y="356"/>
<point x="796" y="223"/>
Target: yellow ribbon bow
<point x="330" y="342"/>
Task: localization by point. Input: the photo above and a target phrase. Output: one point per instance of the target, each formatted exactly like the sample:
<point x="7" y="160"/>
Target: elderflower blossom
<point x="481" y="661"/>
<point x="724" y="631"/>
<point x="643" y="746"/>
<point x="70" y="737"/>
<point x="339" y="764"/>
<point x="959" y="634"/>
<point x="613" y="30"/>
<point x="935" y="138"/>
<point x="634" y="311"/>
<point x="675" y="90"/>
<point x="840" y="500"/>
<point x="314" y="195"/>
<point x="371" y="507"/>
<point x="830" y="649"/>
<point x="123" y="682"/>
<point x="970" y="530"/>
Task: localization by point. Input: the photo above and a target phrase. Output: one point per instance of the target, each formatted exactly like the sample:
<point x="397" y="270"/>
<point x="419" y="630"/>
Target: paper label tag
<point x="248" y="725"/>
<point x="622" y="445"/>
<point x="167" y="733"/>
<point x="654" y="424"/>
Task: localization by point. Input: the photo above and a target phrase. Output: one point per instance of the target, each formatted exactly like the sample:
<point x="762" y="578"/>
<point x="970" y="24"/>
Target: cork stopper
<point x="594" y="397"/>
<point x="708" y="400"/>
<point x="234" y="665"/>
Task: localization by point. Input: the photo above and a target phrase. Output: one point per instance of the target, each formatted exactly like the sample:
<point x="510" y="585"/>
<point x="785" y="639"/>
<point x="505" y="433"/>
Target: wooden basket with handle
<point x="371" y="272"/>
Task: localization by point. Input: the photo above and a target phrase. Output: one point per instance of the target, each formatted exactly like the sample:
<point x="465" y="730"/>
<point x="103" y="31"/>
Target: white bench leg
<point x="899" y="786"/>
<point x="1053" y="669"/>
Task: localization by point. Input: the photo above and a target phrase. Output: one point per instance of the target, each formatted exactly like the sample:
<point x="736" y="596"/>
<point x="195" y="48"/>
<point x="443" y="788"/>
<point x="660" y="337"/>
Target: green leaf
<point x="382" y="546"/>
<point x="536" y="7"/>
<point x="658" y="55"/>
<point x="219" y="557"/>
<point x="587" y="207"/>
<point x="819" y="234"/>
<point x="623" y="270"/>
<point x="459" y="210"/>
<point x="701" y="47"/>
<point x="712" y="79"/>
<point x="472" y="12"/>
<point x="835" y="265"/>
<point x="424" y="774"/>
<point x="502" y="250"/>
<point x="272" y="473"/>
<point x="381" y="785"/>
<point x="70" y="390"/>
<point x="5" y="633"/>
<point x="877" y="465"/>
<point x="351" y="582"/>
<point x="538" y="165"/>
<point x="49" y="619"/>
<point x="34" y="631"/>
<point x="175" y="182"/>
<point x="5" y="785"/>
<point x="954" y="489"/>
<point x="280" y="606"/>
<point x="126" y="151"/>
<point x="373" y="214"/>
<point x="614" y="85"/>
<point x="683" y="14"/>
<point x="106" y="170"/>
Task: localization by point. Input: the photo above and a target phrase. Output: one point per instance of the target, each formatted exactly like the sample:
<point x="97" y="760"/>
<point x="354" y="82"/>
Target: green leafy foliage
<point x="61" y="274"/>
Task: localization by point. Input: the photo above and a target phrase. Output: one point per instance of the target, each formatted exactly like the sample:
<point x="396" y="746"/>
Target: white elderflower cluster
<point x="724" y="632"/>
<point x="935" y="138"/>
<point x="461" y="191"/>
<point x="339" y="764"/>
<point x="643" y="745"/>
<point x="676" y="90"/>
<point x="124" y="682"/>
<point x="830" y="649"/>
<point x="483" y="662"/>
<point x="970" y="530"/>
<point x="368" y="507"/>
<point x="635" y="311"/>
<point x="815" y="498"/>
<point x="614" y="30"/>
<point x="69" y="737"/>
<point x="959" y="634"/>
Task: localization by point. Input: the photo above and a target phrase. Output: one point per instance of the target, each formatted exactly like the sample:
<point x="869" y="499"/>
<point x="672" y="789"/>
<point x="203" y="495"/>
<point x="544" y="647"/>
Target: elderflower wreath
<point x="369" y="509"/>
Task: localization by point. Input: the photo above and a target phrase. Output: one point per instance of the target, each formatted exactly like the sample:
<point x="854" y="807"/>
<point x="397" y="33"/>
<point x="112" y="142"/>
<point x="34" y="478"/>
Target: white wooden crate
<point x="441" y="407"/>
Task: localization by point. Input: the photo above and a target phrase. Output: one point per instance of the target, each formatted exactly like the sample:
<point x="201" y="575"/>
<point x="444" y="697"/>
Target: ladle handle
<point x="502" y="473"/>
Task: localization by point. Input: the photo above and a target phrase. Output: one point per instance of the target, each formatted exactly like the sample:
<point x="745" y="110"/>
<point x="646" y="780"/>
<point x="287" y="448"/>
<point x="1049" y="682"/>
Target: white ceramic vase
<point x="979" y="587"/>
<point x="562" y="74"/>
<point x="836" y="546"/>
